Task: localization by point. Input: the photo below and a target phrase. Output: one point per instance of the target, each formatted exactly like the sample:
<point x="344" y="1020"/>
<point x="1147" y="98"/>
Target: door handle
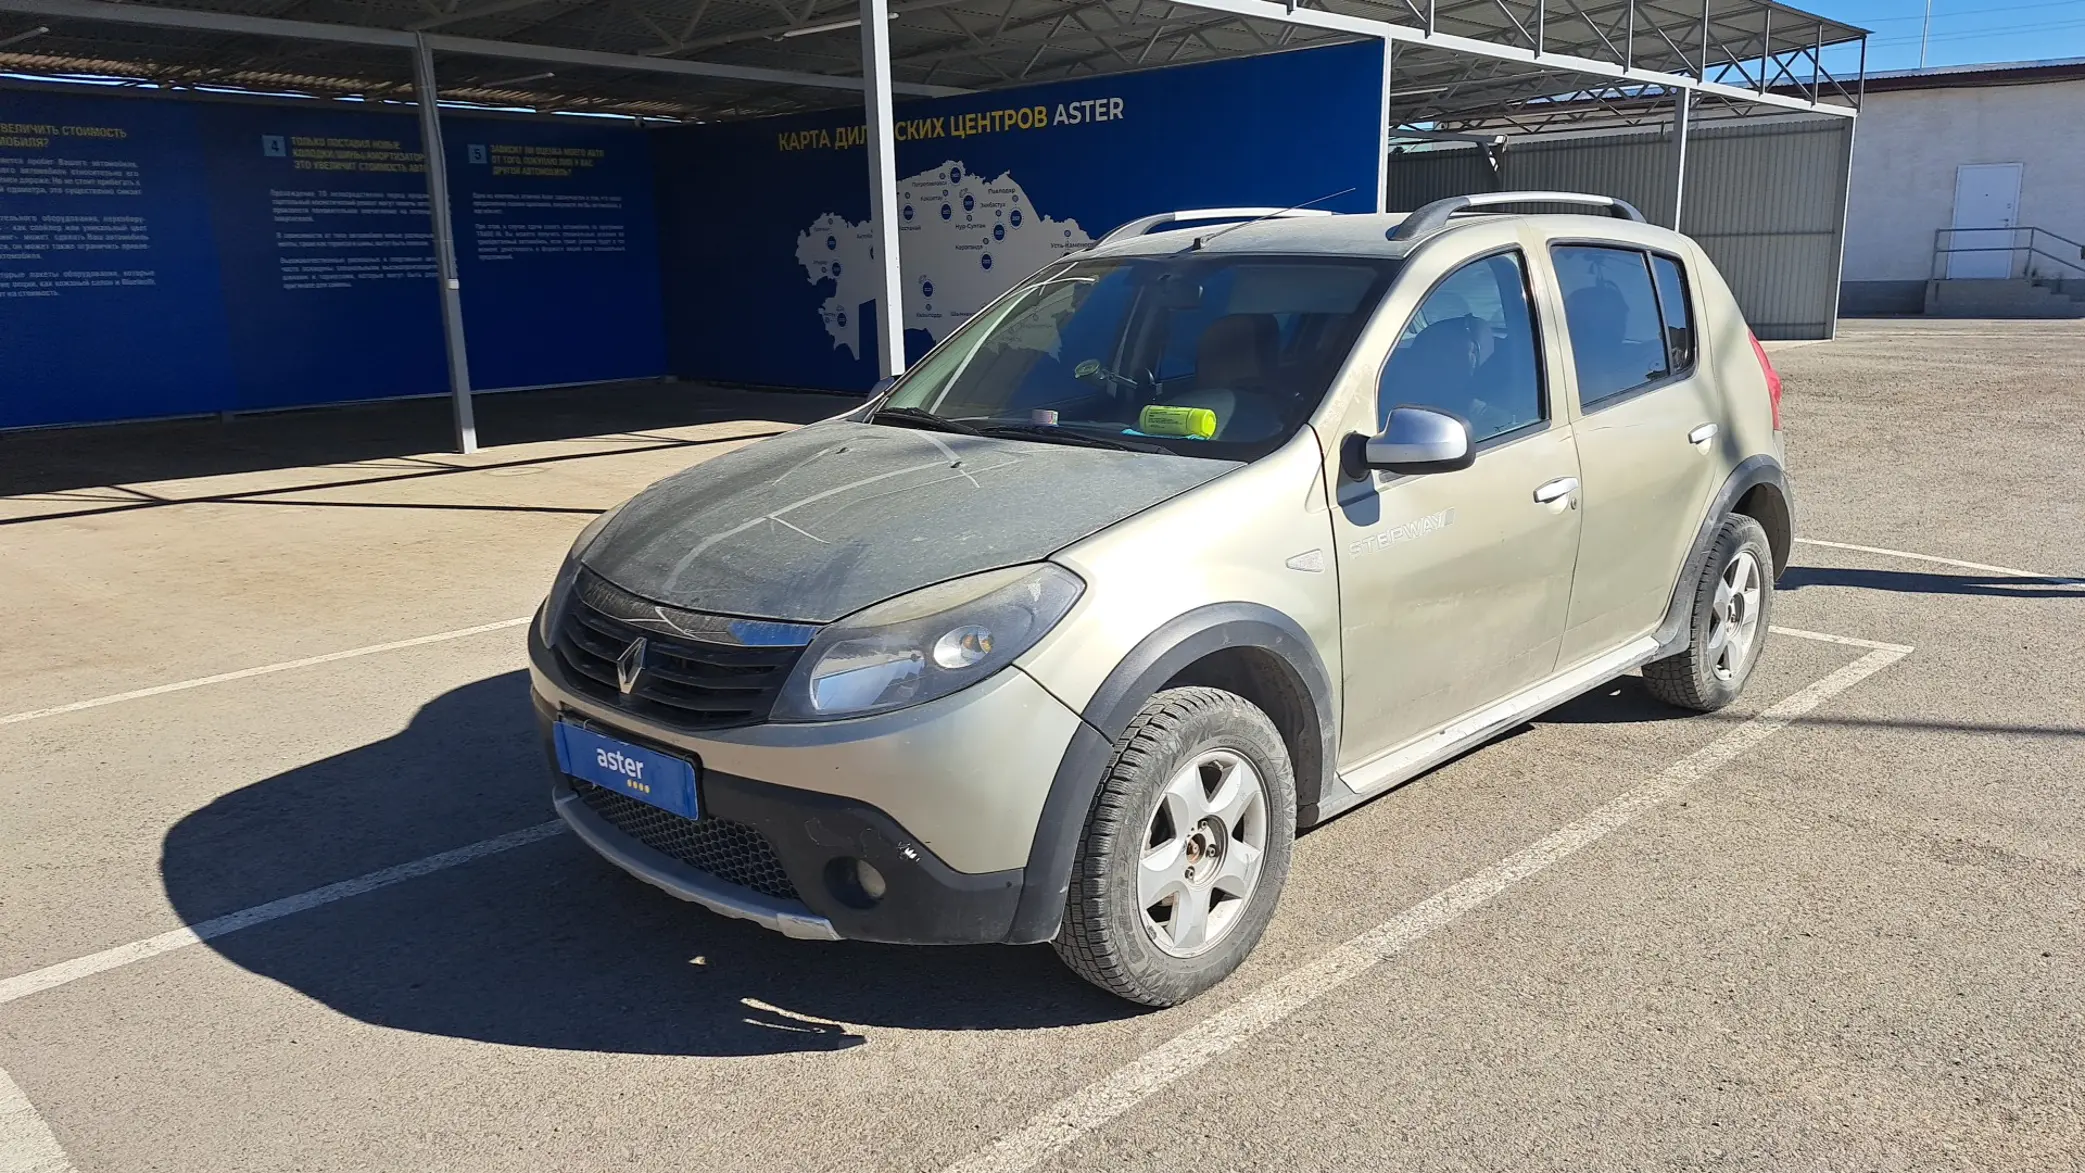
<point x="1702" y="434"/>
<point x="1560" y="487"/>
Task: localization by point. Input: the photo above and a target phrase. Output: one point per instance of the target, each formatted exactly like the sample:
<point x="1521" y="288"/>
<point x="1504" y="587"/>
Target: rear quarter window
<point x="1677" y="310"/>
<point x="1611" y="312"/>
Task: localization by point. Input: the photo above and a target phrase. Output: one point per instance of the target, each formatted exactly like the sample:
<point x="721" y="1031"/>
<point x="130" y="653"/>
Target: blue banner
<point x="558" y="246"/>
<point x="161" y="257"/>
<point x="326" y="253"/>
<point x="765" y="228"/>
<point x="109" y="303"/>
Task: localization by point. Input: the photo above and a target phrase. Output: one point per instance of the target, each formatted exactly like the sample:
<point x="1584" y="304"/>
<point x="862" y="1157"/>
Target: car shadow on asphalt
<point x="547" y="945"/>
<point x="1918" y="583"/>
<point x="1621" y="701"/>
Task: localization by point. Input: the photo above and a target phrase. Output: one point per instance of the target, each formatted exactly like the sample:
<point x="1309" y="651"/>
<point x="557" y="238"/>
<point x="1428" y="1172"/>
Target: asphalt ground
<point x="1834" y="927"/>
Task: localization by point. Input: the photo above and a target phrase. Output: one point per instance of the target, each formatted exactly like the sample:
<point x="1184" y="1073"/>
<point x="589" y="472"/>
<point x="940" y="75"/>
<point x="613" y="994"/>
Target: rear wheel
<point x="1732" y="602"/>
<point x="1185" y="850"/>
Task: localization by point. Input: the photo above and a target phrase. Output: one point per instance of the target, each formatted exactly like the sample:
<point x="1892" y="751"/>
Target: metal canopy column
<point x="1383" y="142"/>
<point x="883" y="187"/>
<point x="1682" y="118"/>
<point x="444" y="246"/>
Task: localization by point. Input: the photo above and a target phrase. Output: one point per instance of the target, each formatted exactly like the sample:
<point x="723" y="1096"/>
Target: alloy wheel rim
<point x="1734" y="618"/>
<point x="1202" y="852"/>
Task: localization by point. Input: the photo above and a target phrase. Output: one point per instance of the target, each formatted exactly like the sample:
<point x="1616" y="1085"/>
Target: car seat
<point x="1598" y="319"/>
<point x="1435" y="367"/>
<point x="1237" y="351"/>
<point x="1235" y="370"/>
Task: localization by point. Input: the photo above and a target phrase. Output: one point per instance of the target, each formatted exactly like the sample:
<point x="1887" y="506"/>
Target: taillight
<point x="1773" y="378"/>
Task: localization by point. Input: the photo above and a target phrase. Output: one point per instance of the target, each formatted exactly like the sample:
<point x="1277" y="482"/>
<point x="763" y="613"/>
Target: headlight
<point x="568" y="574"/>
<point x="926" y="644"/>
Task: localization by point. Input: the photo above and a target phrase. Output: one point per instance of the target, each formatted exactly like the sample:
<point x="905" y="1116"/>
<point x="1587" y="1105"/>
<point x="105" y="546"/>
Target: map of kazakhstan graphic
<point x="962" y="240"/>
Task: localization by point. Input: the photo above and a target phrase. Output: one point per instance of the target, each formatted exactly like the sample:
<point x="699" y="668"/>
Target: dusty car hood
<point x="823" y="521"/>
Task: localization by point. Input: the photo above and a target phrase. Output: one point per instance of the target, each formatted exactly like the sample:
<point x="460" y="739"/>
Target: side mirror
<point x="1414" y="440"/>
<point x="883" y="384"/>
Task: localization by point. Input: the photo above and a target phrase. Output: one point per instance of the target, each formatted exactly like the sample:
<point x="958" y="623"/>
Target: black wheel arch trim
<point x="1677" y="629"/>
<point x="1160" y="657"/>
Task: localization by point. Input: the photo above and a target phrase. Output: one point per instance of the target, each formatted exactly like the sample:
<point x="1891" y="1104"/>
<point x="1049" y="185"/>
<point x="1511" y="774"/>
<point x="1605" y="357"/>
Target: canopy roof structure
<point x="1520" y="64"/>
<point x="1460" y="68"/>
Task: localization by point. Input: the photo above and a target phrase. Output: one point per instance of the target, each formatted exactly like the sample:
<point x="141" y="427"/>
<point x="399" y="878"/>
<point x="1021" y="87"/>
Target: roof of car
<point x="1356" y="234"/>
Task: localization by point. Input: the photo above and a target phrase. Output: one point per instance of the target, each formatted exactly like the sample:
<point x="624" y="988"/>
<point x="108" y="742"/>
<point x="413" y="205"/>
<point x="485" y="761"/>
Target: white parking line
<point x="35" y="981"/>
<point x="1849" y="641"/>
<point x="26" y="1143"/>
<point x="1095" y="1105"/>
<point x="39" y="980"/>
<point x="1906" y="554"/>
<point x="263" y="670"/>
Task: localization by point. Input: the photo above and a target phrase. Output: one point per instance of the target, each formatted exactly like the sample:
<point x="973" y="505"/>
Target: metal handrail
<point x="1943" y="248"/>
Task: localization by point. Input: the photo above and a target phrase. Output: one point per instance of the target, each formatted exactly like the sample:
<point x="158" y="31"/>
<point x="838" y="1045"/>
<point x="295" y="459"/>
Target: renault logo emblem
<point x="629" y="667"/>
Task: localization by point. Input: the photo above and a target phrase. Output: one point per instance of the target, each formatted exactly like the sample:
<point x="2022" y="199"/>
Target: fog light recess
<point x="854" y="882"/>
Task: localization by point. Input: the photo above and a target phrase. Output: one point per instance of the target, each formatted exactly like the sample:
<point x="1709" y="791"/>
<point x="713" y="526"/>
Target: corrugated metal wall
<point x="1766" y="199"/>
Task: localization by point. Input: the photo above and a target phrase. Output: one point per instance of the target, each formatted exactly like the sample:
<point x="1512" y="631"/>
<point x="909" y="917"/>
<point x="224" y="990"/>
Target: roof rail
<point x="1434" y="216"/>
<point x="1140" y="227"/>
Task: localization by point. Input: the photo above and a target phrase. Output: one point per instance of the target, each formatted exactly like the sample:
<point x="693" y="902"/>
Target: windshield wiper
<point x="913" y="417"/>
<point x="1050" y="435"/>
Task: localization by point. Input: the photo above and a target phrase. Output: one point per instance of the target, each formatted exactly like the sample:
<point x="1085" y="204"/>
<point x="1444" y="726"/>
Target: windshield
<point x="1222" y="357"/>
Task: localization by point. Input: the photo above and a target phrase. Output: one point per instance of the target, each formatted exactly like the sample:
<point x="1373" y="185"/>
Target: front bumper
<point x="788" y="917"/>
<point x="942" y="800"/>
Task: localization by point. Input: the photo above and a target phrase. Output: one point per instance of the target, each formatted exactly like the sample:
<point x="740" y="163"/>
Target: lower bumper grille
<point x="732" y="852"/>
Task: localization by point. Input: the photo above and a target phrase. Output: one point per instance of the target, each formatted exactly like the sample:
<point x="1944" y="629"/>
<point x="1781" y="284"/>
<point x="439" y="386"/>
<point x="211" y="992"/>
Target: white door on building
<point x="1987" y="195"/>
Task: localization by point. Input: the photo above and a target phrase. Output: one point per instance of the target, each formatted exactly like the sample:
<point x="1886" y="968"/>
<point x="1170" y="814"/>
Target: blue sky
<point x="1964" y="31"/>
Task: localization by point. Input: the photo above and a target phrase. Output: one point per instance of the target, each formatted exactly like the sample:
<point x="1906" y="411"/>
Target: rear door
<point x="1650" y="436"/>
<point x="1453" y="586"/>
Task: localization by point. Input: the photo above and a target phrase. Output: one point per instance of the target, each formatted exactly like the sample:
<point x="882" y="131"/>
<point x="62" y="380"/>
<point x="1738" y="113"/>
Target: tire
<point x="1122" y="937"/>
<point x="1726" y="637"/>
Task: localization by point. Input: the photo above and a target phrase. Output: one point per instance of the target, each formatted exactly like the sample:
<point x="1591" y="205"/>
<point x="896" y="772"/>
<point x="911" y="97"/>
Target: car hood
<point x="823" y="521"/>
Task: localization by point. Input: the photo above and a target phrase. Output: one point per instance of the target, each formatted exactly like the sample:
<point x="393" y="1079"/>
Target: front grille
<point x="732" y="852"/>
<point x="700" y="671"/>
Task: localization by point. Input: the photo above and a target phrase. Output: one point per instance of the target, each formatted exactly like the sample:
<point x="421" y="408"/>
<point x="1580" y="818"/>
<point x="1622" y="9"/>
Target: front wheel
<point x="1185" y="850"/>
<point x="1732" y="602"/>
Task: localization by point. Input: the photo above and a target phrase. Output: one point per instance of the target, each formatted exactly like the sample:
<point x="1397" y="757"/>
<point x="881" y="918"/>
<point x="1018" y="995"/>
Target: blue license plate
<point x="665" y="781"/>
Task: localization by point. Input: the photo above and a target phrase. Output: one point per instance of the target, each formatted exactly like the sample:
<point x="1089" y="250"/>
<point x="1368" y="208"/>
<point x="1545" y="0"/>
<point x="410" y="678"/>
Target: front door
<point x="1454" y="586"/>
<point x="1650" y="438"/>
<point x="1987" y="196"/>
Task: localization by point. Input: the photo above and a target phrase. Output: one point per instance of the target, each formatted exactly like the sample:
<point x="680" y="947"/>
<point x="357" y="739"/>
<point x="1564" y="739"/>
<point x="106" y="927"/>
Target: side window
<point x="1470" y="349"/>
<point x="1673" y="305"/>
<point x="1611" y="310"/>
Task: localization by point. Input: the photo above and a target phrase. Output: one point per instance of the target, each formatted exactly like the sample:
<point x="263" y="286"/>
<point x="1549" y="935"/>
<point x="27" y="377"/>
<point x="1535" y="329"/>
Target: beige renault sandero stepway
<point x="1215" y="530"/>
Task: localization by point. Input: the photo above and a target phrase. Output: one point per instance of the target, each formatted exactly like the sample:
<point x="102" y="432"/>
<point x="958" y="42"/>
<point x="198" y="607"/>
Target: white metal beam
<point x="473" y="46"/>
<point x="1682" y="126"/>
<point x="1406" y="34"/>
<point x="1383" y="131"/>
<point x="305" y="30"/>
<point x="889" y="323"/>
<point x="771" y="32"/>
